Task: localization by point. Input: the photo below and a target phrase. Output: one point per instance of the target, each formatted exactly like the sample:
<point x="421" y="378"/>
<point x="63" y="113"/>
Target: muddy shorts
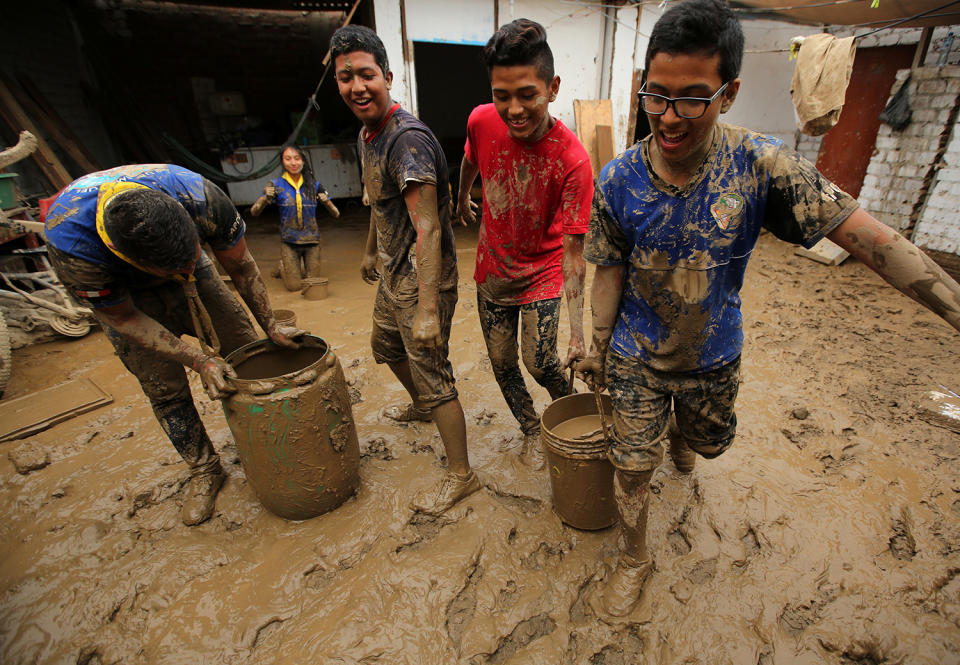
<point x="392" y="342"/>
<point x="642" y="400"/>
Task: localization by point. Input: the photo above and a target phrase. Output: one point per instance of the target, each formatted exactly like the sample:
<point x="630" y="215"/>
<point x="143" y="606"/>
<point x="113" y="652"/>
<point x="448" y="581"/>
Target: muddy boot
<point x="531" y="454"/>
<point x="622" y="591"/>
<point x="681" y="454"/>
<point x="408" y="413"/>
<point x="201" y="494"/>
<point x="453" y="487"/>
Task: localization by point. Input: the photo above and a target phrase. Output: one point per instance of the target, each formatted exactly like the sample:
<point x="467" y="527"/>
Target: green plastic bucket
<point x="8" y="198"/>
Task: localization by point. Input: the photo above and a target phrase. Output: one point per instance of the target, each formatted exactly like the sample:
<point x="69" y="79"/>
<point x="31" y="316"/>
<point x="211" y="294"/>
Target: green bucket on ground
<point x="8" y="197"/>
<point x="293" y="424"/>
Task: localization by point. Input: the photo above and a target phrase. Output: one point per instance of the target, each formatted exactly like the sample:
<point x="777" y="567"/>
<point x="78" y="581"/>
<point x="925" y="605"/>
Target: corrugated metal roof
<point x="855" y="12"/>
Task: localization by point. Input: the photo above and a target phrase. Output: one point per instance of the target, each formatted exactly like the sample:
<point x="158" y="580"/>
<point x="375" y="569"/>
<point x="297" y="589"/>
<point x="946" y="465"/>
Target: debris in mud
<point x="28" y="458"/>
<point x="903" y="545"/>
<point x="524" y="633"/>
<point x="800" y="413"/>
<point x="484" y="417"/>
<point x="377" y="448"/>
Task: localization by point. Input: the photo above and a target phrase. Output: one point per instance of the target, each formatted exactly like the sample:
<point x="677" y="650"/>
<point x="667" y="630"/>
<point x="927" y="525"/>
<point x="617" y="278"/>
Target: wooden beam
<point x="57" y="131"/>
<point x="31" y="89"/>
<point x="14" y="115"/>
<point x="926" y="35"/>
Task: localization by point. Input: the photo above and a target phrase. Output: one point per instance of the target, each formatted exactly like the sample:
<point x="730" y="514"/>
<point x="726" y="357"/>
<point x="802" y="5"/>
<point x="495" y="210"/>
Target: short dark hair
<point x="151" y="228"/>
<point x="520" y="42"/>
<point x="352" y="38"/>
<point x="695" y="26"/>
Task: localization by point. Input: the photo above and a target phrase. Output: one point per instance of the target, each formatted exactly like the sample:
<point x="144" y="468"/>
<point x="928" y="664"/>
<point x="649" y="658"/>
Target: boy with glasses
<point x="537" y="186"/>
<point x="674" y="221"/>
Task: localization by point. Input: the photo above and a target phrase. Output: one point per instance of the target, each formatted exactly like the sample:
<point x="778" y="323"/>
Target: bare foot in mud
<point x="437" y="500"/>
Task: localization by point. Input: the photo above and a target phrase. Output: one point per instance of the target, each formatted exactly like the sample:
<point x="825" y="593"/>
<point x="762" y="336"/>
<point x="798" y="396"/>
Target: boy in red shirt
<point x="537" y="188"/>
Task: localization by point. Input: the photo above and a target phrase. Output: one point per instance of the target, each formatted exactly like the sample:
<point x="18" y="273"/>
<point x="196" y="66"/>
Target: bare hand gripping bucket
<point x="293" y="425"/>
<point x="581" y="476"/>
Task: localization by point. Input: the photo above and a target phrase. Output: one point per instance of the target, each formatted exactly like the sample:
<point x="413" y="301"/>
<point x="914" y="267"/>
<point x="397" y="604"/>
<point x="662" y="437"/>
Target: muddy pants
<point x="539" y="322"/>
<point x="290" y="263"/>
<point x="642" y="397"/>
<point x="164" y="382"/>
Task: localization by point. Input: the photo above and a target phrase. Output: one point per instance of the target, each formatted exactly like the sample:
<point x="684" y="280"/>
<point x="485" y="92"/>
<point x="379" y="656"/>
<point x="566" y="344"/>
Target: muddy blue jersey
<point x="97" y="276"/>
<point x="686" y="249"/>
<point x="297" y="226"/>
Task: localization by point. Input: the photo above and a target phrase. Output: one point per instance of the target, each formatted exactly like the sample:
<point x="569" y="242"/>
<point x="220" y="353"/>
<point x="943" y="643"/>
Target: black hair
<point x="352" y="38"/>
<point x="696" y="26"/>
<point x="520" y="42"/>
<point x="307" y="172"/>
<point x="151" y="228"/>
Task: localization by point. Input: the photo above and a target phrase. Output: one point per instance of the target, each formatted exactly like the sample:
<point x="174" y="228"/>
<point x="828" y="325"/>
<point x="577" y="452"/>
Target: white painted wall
<point x="575" y="33"/>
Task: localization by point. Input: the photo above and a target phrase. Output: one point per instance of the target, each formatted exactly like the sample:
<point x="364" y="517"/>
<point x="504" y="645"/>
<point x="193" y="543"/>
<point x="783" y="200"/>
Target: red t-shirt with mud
<point x="533" y="193"/>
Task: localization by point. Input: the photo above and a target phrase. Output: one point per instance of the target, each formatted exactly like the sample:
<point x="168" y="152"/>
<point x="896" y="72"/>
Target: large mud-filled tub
<point x="581" y="476"/>
<point x="293" y="425"/>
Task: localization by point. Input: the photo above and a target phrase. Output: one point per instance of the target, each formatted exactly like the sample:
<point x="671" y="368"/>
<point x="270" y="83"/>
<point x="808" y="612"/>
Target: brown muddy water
<point x="829" y="533"/>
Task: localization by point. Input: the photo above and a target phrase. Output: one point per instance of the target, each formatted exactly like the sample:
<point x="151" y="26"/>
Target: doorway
<point x="451" y="82"/>
<point x="846" y="149"/>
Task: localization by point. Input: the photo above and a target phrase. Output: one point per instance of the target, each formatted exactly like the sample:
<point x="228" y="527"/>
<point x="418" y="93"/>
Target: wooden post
<point x="922" y="47"/>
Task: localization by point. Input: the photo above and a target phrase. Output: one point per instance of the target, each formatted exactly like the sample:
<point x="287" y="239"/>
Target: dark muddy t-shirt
<point x="686" y="249"/>
<point x="95" y="276"/>
<point x="405" y="150"/>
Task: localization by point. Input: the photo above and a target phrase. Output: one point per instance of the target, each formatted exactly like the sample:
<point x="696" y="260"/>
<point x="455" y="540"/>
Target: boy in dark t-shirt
<point x="405" y="177"/>
<point x="674" y="221"/>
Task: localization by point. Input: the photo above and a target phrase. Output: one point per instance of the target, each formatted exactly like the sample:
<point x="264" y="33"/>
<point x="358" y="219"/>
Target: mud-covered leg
<point x="230" y="320"/>
<point x="683" y="457"/>
<point x="539" y="323"/>
<point x="632" y="493"/>
<point x="165" y="385"/>
<point x="290" y="267"/>
<point x="499" y="325"/>
<point x="311" y="260"/>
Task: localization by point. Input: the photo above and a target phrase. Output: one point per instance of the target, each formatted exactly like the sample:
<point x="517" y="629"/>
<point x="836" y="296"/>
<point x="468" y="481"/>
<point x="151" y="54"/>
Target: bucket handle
<point x="603" y="418"/>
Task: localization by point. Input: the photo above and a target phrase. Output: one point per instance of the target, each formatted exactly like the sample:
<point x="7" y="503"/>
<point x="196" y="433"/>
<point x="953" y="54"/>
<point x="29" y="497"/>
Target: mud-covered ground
<point x="829" y="533"/>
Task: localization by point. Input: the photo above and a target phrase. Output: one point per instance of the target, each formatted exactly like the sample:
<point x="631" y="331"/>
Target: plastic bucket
<point x="314" y="288"/>
<point x="293" y="424"/>
<point x="285" y="317"/>
<point x="581" y="476"/>
<point x="8" y="198"/>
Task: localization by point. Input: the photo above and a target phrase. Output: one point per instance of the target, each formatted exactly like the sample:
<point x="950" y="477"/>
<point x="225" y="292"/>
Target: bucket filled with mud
<point x="581" y="476"/>
<point x="293" y="425"/>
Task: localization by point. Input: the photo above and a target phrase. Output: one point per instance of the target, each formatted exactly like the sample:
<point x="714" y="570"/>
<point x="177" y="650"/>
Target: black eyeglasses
<point x="690" y="108"/>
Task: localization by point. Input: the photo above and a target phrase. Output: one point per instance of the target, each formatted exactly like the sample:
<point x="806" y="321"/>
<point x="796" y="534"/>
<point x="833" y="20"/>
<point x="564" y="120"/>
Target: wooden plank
<point x="14" y="115"/>
<point x="36" y="104"/>
<point x="588" y="113"/>
<point x="825" y="251"/>
<point x="604" y="143"/>
<point x="941" y="409"/>
<point x="41" y="410"/>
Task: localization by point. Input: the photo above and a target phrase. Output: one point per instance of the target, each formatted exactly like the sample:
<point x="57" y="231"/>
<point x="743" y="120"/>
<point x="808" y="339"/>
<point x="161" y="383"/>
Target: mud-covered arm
<point x="324" y="199"/>
<point x="368" y="266"/>
<point x="269" y="195"/>
<point x="900" y="263"/>
<point x="421" y="201"/>
<point x="139" y="329"/>
<point x="466" y="209"/>
<point x="245" y="274"/>
<point x="605" y="304"/>
<point x="574" y="275"/>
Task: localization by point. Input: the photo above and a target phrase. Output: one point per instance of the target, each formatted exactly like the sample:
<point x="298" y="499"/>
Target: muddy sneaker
<point x="681" y="454"/>
<point x="436" y="500"/>
<point x="201" y="496"/>
<point x="408" y="413"/>
<point x="531" y="454"/>
<point x="623" y="590"/>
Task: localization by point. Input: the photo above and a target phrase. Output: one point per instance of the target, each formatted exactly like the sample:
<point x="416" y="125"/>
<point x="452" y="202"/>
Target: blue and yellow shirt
<point x="98" y="275"/>
<point x="298" y="210"/>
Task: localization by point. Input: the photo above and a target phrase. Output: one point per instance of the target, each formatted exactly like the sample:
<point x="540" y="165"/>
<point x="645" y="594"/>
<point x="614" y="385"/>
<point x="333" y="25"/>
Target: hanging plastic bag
<point x="898" y="113"/>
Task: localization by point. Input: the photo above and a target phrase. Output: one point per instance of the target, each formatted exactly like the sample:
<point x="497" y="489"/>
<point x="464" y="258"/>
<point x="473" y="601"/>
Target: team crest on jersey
<point x="726" y="208"/>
